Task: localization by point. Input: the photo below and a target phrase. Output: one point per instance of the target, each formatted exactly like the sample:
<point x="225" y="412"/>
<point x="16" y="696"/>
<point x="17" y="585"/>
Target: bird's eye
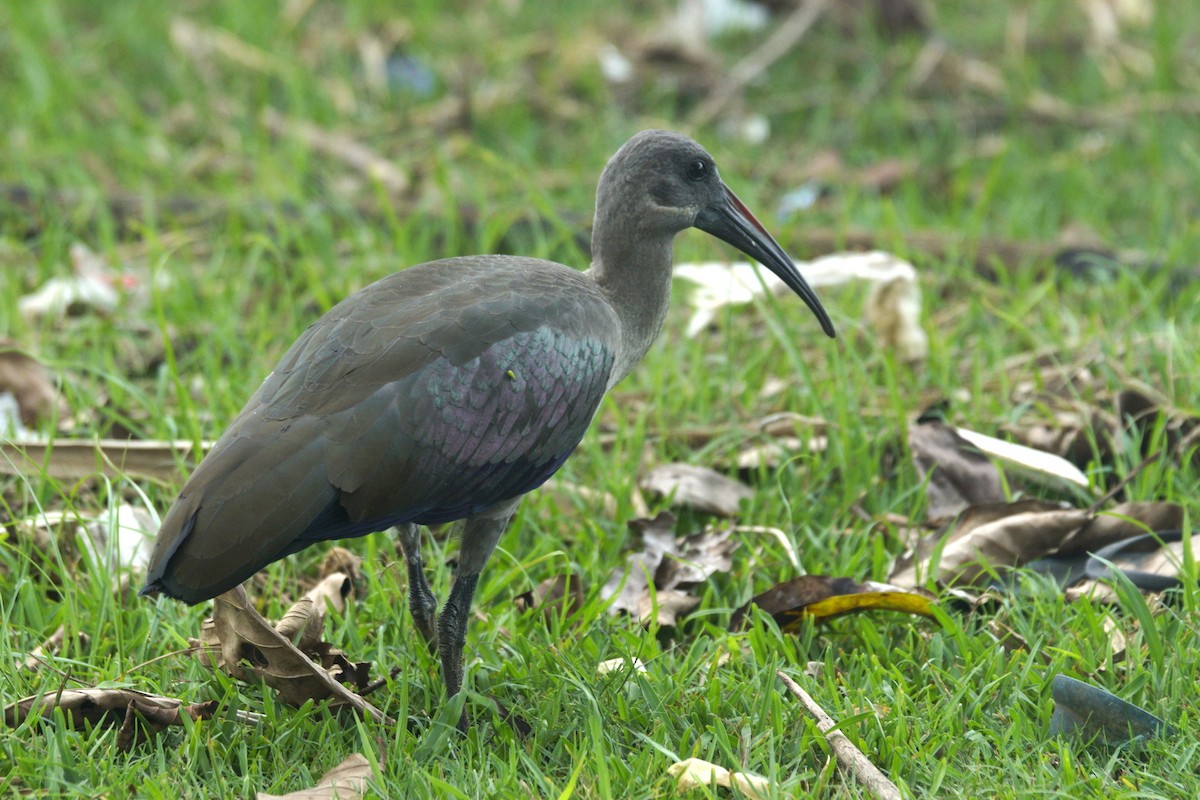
<point x="697" y="170"/>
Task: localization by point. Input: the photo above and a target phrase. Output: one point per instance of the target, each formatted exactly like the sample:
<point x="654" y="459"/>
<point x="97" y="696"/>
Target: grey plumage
<point x="447" y="391"/>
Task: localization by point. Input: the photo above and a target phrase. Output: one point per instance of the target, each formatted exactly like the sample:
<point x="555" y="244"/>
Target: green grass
<point x="99" y="102"/>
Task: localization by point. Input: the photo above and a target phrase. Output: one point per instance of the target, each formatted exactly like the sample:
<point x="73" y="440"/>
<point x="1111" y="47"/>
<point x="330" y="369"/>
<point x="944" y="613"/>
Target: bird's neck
<point x="635" y="278"/>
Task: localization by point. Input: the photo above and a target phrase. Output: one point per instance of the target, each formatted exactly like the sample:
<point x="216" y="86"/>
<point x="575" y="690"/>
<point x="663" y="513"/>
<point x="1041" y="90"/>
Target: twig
<point x="785" y="37"/>
<point x="1095" y="507"/>
<point x="848" y="756"/>
<point x="342" y="147"/>
<point x="72" y="459"/>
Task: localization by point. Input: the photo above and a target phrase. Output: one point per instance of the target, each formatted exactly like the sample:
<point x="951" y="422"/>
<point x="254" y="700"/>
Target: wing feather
<point x="428" y="396"/>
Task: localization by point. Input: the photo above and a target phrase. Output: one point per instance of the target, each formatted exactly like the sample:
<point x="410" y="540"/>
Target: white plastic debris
<point x="93" y="286"/>
<point x="616" y="664"/>
<point x="614" y="65"/>
<point x="893" y="307"/>
<point x="716" y="17"/>
<point x="694" y="773"/>
<point x="11" y="426"/>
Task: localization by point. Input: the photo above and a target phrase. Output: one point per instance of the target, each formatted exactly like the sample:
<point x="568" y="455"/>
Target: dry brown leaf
<point x="30" y="384"/>
<point x="698" y="487"/>
<point x="957" y="475"/>
<point x="822" y="597"/>
<point x="987" y="539"/>
<point x="1123" y="521"/>
<point x="39" y="655"/>
<point x="136" y="713"/>
<point x="629" y="584"/>
<point x="557" y="597"/>
<point x="671" y="563"/>
<point x="1152" y="562"/>
<point x="346" y="781"/>
<point x="238" y="640"/>
<point x="665" y="606"/>
<point x="696" y="557"/>
<point x="304" y="622"/>
<point x="339" y="559"/>
<point x="1083" y="434"/>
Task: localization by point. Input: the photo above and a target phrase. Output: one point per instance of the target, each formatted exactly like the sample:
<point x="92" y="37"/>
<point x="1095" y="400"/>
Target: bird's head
<point x="663" y="183"/>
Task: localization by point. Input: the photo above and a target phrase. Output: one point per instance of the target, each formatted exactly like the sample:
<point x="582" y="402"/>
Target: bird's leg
<point x="480" y="535"/>
<point x="421" y="602"/>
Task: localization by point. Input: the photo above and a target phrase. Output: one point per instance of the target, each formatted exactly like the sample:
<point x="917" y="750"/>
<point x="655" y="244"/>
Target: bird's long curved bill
<point x="730" y="221"/>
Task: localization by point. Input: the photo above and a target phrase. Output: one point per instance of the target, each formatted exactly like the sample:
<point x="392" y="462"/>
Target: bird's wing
<point x="426" y="397"/>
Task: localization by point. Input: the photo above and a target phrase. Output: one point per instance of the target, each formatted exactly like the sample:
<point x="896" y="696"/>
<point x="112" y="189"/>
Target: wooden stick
<point x="785" y="37"/>
<point x="72" y="459"/>
<point x="848" y="756"/>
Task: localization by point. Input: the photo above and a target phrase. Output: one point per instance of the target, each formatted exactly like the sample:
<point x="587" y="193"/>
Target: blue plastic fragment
<point x="1088" y="713"/>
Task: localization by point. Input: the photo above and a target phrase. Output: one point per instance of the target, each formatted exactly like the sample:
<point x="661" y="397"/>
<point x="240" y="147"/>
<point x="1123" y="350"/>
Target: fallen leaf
<point x="987" y="539"/>
<point x="558" y="597"/>
<point x="38" y="657"/>
<point x="665" y="606"/>
<point x="1152" y="562"/>
<point x="30" y="385"/>
<point x="698" y="487"/>
<point x="238" y="640"/>
<point x="346" y="781"/>
<point x="1117" y="535"/>
<point x="339" y="559"/>
<point x="672" y="564"/>
<point x="135" y="712"/>
<point x="627" y="586"/>
<point x="1129" y="430"/>
<point x="1123" y="521"/>
<point x="955" y="473"/>
<point x="1033" y="462"/>
<point x="696" y="557"/>
<point x="696" y="773"/>
<point x="304" y="623"/>
<point x="822" y="597"/>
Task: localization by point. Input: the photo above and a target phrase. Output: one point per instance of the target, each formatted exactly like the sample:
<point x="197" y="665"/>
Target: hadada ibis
<point x="448" y="391"/>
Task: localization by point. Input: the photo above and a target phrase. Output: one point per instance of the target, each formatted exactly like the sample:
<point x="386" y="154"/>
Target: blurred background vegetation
<point x="236" y="168"/>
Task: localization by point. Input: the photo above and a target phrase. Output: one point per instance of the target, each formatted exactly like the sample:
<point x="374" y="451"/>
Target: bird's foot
<point x="421" y="602"/>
